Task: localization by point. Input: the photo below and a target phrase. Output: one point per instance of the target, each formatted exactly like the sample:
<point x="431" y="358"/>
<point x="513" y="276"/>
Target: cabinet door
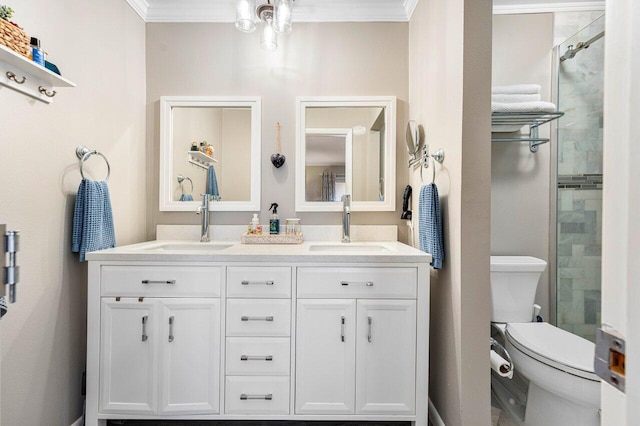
<point x="190" y="356"/>
<point x="386" y="363"/>
<point x="325" y="356"/>
<point x="128" y="356"/>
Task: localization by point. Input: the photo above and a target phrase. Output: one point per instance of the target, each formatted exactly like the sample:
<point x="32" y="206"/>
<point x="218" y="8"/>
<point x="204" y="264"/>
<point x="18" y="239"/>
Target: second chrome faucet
<point x="346" y="218"/>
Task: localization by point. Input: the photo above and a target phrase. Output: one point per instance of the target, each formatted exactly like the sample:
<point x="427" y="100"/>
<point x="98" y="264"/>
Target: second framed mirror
<point x="345" y="145"/>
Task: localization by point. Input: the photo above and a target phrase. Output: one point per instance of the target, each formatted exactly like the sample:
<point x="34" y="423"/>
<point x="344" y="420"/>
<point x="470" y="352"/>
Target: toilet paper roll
<point x="500" y="365"/>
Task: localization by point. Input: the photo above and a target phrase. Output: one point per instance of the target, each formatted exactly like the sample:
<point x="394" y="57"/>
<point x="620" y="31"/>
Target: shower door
<point x="579" y="181"/>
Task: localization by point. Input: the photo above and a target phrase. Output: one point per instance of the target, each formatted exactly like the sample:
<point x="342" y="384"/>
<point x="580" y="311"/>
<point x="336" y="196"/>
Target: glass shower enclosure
<point x="579" y="181"/>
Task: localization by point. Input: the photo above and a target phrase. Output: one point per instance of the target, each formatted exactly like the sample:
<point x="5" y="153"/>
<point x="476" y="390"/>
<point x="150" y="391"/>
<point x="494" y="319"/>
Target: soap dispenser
<point x="254" y="225"/>
<point x="274" y="222"/>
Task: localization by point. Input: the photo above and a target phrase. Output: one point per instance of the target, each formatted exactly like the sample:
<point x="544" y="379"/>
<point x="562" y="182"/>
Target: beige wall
<point x="99" y="46"/>
<point x="520" y="179"/>
<point x="449" y="82"/>
<point x="328" y="59"/>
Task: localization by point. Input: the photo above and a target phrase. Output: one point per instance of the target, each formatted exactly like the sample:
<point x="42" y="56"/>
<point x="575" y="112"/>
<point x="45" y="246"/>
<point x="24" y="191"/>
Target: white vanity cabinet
<point x="356" y="352"/>
<point x="237" y="338"/>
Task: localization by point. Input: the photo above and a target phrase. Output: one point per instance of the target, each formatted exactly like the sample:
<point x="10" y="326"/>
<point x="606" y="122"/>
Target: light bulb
<point x="269" y="39"/>
<point x="245" y="15"/>
<point x="282" y="16"/>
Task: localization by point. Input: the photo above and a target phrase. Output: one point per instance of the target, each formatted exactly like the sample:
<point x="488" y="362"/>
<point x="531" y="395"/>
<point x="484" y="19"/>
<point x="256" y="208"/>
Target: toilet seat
<point x="554" y="347"/>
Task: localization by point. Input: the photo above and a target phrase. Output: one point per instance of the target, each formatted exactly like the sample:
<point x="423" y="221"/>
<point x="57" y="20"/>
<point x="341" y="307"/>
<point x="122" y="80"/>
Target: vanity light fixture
<point x="275" y="18"/>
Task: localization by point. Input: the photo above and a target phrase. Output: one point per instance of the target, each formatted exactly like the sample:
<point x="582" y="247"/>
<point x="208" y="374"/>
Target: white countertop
<point x="233" y="251"/>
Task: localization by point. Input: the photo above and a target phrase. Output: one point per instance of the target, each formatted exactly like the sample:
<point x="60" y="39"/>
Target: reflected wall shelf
<point x="22" y="75"/>
<point x="532" y="119"/>
<point x="200" y="159"/>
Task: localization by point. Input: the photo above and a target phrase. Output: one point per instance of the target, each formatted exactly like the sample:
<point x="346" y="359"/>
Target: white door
<point x="621" y="203"/>
<point x="325" y="356"/>
<point x="128" y="352"/>
<point x="190" y="356"/>
<point x="386" y="360"/>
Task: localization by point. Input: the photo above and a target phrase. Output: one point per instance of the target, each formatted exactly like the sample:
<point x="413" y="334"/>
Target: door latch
<point x="610" y="358"/>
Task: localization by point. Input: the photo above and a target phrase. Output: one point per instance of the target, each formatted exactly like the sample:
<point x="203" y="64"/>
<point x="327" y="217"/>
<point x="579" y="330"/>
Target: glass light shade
<point x="245" y="12"/>
<point x="269" y="39"/>
<point x="282" y="15"/>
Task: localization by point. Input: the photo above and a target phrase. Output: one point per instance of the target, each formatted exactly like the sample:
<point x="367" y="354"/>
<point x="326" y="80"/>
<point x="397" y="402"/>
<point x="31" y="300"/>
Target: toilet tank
<point x="514" y="280"/>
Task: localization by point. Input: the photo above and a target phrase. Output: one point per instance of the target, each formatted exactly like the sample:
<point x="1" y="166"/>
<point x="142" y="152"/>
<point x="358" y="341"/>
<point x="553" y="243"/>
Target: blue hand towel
<point x="212" y="184"/>
<point x="186" y="197"/>
<point x="92" y="219"/>
<point x="430" y="223"/>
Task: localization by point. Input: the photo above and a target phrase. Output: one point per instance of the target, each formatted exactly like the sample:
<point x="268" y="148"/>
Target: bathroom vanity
<point x="316" y="331"/>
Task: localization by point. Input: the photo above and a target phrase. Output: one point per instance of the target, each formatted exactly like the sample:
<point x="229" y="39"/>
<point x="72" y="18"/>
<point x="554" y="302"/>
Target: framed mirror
<point x="202" y="132"/>
<point x="345" y="145"/>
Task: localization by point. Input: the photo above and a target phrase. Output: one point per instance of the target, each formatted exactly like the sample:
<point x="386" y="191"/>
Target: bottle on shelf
<point x="37" y="54"/>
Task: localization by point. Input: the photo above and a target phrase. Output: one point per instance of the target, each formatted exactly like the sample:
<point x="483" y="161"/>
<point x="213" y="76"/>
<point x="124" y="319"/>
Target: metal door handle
<point x="256" y="358"/>
<point x="342" y="321"/>
<point x="269" y="318"/>
<point x="369" y="321"/>
<point x="144" y="328"/>
<point x="257" y="283"/>
<point x="366" y="283"/>
<point x="267" y="397"/>
<point x="171" y="328"/>
<point x="158" y="281"/>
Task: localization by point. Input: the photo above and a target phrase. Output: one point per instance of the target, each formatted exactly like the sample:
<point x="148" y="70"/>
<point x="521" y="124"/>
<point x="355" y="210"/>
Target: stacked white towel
<point x="517" y="98"/>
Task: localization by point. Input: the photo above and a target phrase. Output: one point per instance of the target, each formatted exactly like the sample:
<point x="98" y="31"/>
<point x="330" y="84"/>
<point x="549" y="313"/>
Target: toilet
<point x="562" y="387"/>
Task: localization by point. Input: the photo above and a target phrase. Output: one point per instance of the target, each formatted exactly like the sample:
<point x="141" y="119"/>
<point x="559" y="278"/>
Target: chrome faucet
<point x="203" y="210"/>
<point x="346" y="218"/>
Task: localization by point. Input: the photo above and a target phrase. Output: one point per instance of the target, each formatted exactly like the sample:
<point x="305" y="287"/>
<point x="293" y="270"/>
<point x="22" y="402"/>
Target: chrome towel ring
<point x="83" y="153"/>
<point x="181" y="179"/>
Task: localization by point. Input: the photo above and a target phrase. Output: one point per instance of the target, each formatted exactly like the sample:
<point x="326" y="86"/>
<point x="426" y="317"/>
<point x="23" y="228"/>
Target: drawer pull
<point x="256" y="358"/>
<point x="342" y="321"/>
<point x="366" y="283"/>
<point x="369" y="321"/>
<point x="144" y="328"/>
<point x="270" y="318"/>
<point x="171" y="328"/>
<point x="158" y="282"/>
<point x="267" y="397"/>
<point x="257" y="283"/>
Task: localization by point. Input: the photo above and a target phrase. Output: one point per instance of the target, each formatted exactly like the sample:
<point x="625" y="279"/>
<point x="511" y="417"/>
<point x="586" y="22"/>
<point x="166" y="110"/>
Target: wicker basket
<point x="14" y="38"/>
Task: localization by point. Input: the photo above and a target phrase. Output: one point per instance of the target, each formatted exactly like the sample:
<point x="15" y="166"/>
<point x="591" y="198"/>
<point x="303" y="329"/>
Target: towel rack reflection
<point x="84" y="153"/>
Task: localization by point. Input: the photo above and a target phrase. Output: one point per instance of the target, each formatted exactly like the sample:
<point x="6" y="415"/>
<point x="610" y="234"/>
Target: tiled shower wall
<point x="579" y="215"/>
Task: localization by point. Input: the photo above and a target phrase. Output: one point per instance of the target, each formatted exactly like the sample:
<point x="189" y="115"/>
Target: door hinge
<point x="610" y="358"/>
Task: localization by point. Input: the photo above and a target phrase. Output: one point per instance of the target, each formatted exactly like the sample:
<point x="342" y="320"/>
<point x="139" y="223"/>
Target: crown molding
<point x="409" y="7"/>
<point x="583" y="6"/>
<point x="221" y="11"/>
<point x="141" y="7"/>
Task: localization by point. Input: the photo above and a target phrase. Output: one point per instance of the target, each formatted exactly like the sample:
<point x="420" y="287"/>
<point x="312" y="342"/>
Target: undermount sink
<point x="189" y="247"/>
<point x="348" y="247"/>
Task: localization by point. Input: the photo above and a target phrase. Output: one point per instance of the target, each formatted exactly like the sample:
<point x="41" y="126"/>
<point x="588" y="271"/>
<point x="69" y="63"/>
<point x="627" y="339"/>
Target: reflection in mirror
<point x="342" y="149"/>
<point x="213" y="140"/>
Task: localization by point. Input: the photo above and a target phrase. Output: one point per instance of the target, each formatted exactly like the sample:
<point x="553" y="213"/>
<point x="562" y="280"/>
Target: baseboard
<point x="77" y="422"/>
<point x="434" y="416"/>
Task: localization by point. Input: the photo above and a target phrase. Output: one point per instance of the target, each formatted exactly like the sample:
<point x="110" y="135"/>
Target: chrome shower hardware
<point x="10" y="270"/>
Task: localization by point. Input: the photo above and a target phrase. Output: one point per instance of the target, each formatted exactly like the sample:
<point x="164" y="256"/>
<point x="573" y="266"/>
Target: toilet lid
<point x="555" y="347"/>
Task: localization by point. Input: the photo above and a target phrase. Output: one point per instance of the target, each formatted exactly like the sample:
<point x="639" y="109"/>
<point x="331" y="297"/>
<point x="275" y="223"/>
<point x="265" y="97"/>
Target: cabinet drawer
<point x="258" y="356"/>
<point x="369" y="283"/>
<point x="262" y="318"/>
<point x="257" y="395"/>
<point x="168" y="281"/>
<point x="264" y="282"/>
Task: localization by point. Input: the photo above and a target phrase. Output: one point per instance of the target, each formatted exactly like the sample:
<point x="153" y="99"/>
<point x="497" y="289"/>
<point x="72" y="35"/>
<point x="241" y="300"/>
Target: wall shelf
<point x="531" y="119"/>
<point x="22" y="75"/>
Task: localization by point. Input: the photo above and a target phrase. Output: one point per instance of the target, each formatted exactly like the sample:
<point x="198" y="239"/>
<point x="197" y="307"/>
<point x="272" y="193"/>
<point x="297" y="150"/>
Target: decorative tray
<point x="271" y="239"/>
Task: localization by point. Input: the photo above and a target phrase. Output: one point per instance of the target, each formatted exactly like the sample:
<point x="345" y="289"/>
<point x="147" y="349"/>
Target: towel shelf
<point x="200" y="159"/>
<point x="532" y="119"/>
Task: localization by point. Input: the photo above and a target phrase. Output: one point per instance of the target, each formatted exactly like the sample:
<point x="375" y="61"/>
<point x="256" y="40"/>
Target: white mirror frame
<point x="167" y="103"/>
<point x="389" y="105"/>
